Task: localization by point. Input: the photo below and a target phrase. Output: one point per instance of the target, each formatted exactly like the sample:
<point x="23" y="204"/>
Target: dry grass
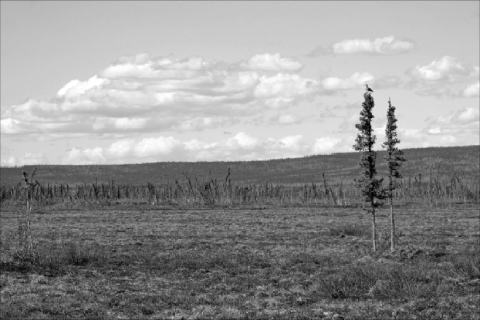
<point x="277" y="263"/>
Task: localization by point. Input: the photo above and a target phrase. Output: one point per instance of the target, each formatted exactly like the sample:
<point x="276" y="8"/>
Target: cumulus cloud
<point x="459" y="127"/>
<point x="86" y="156"/>
<point x="76" y="87"/>
<point x="441" y="78"/>
<point x="355" y="81"/>
<point x="241" y="146"/>
<point x="287" y="119"/>
<point x="285" y="89"/>
<point x="456" y="122"/>
<point x="8" y="162"/>
<point x="202" y="123"/>
<point x="472" y="90"/>
<point x="140" y="93"/>
<point x="380" y="46"/>
<point x="325" y="145"/>
<point x="29" y="158"/>
<point x="152" y="147"/>
<point x="272" y="62"/>
<point x="447" y="69"/>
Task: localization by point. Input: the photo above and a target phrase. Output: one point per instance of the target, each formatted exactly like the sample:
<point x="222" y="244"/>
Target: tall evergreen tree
<point x="370" y="187"/>
<point x="394" y="159"/>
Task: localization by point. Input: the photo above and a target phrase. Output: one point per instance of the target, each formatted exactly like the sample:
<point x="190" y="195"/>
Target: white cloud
<point x="387" y="45"/>
<point x="287" y="119"/>
<point x="141" y="93"/>
<point x="29" y="158"/>
<point x="293" y="143"/>
<point x="201" y="123"/>
<point x="9" y="162"/>
<point x="86" y="156"/>
<point x="325" y="145"/>
<point x="272" y="62"/>
<point x="242" y="140"/>
<point x="76" y="87"/>
<point x="284" y="89"/>
<point x="467" y="115"/>
<point x="121" y="149"/>
<point x="149" y="147"/>
<point x="354" y="81"/>
<point x="458" y="118"/>
<point x="447" y="69"/>
<point x="472" y="90"/>
<point x="459" y="127"/>
<point x="440" y="76"/>
<point x="130" y="123"/>
<point x="475" y="72"/>
<point x="379" y="46"/>
<point x="241" y="146"/>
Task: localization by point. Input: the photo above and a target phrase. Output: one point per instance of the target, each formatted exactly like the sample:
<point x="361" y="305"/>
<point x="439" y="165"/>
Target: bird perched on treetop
<point x="368" y="89"/>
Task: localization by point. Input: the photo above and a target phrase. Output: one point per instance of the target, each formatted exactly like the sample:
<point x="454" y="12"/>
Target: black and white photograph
<point x="240" y="160"/>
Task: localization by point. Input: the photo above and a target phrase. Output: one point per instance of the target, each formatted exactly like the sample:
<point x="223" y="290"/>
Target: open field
<point x="308" y="262"/>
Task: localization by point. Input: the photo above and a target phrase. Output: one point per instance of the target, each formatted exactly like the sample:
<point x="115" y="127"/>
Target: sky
<point x="132" y="82"/>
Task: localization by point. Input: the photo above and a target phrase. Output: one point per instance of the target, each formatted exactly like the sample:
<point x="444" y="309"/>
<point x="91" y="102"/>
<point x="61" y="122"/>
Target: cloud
<point x="446" y="69"/>
<point x="152" y="147"/>
<point x="475" y="72"/>
<point x="241" y="146"/>
<point x="8" y="162"/>
<point x="285" y="89"/>
<point x="440" y="91"/>
<point x="86" y="156"/>
<point x="325" y="145"/>
<point x="76" y="87"/>
<point x="380" y="46"/>
<point x="355" y="81"/>
<point x="272" y="62"/>
<point x="456" y="121"/>
<point x="29" y="158"/>
<point x="459" y="127"/>
<point x="471" y="90"/>
<point x="203" y="123"/>
<point x="440" y="77"/>
<point x="243" y="141"/>
<point x="140" y="93"/>
<point x="286" y="119"/>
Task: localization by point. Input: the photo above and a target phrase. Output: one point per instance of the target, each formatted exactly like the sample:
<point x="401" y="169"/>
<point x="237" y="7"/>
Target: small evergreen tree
<point x="370" y="187"/>
<point x="394" y="158"/>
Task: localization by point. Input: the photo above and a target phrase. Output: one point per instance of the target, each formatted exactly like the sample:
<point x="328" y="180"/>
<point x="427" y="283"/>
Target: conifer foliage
<point x="394" y="159"/>
<point x="370" y="187"/>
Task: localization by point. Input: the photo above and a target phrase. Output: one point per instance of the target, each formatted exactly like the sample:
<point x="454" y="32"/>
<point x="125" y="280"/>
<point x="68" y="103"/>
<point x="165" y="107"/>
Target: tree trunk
<point x="374" y="231"/>
<point x="392" y="228"/>
<point x="392" y="220"/>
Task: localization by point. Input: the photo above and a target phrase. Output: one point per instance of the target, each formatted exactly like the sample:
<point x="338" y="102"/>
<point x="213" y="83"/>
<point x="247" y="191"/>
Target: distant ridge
<point x="336" y="166"/>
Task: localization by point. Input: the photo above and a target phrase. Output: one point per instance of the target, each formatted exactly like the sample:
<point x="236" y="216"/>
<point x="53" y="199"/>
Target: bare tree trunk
<point x="392" y="227"/>
<point x="374" y="231"/>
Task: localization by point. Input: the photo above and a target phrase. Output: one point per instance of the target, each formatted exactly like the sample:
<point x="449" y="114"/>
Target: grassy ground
<point x="246" y="263"/>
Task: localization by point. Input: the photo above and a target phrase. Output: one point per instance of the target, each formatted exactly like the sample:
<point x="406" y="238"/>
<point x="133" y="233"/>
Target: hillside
<point x="442" y="161"/>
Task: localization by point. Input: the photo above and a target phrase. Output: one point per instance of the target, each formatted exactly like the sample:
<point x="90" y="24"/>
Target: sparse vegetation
<point x="213" y="248"/>
<point x="280" y="263"/>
